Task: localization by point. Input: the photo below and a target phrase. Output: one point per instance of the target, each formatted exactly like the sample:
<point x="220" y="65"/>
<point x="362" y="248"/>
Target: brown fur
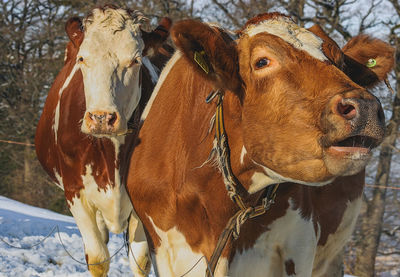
<point x="290" y="267"/>
<point x="73" y="28"/>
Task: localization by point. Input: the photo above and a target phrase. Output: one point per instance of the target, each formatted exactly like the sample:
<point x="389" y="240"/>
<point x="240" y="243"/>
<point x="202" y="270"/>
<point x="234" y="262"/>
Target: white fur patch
<point x="287" y="30"/>
<point x="138" y="257"/>
<point x="174" y="257"/>
<point x="163" y="76"/>
<point x="65" y="54"/>
<point x="57" y="111"/>
<point x="244" y="152"/>
<point x="274" y="247"/>
<point x="152" y="70"/>
<point x="277" y="178"/>
<point x="221" y="270"/>
<point x="259" y="181"/>
<point x="114" y="203"/>
<point x="60" y="183"/>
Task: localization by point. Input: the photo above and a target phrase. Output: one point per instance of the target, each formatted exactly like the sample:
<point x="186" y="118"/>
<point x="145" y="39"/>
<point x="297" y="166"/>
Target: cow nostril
<point x="347" y="111"/>
<point x="112" y="118"/>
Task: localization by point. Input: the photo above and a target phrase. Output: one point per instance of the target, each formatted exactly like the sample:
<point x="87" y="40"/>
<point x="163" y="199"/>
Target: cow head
<point x="110" y="44"/>
<point x="305" y="115"/>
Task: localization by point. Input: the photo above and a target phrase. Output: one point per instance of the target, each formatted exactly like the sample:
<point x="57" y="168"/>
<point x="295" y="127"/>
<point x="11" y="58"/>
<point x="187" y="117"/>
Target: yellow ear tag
<point x="371" y="63"/>
<point x="200" y="60"/>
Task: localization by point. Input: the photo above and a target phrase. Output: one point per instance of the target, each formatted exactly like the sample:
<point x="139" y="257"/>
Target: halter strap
<point x="235" y="189"/>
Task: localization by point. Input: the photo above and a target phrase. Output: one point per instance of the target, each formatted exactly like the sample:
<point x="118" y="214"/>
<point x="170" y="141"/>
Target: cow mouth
<point x="355" y="144"/>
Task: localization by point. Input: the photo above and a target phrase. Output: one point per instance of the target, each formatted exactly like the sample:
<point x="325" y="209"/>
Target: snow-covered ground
<point x="24" y="226"/>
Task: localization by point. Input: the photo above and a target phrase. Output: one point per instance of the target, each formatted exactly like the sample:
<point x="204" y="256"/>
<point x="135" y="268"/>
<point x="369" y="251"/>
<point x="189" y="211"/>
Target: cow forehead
<point x="287" y="30"/>
<point x="113" y="19"/>
<point x="113" y="31"/>
<point x="101" y="43"/>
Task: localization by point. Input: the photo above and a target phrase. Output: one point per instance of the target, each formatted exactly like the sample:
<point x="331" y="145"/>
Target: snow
<point x="48" y="232"/>
<point x="24" y="226"/>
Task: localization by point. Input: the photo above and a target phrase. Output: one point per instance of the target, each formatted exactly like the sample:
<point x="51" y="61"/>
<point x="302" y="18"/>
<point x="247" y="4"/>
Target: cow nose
<point x="354" y="114"/>
<point x="102" y="121"/>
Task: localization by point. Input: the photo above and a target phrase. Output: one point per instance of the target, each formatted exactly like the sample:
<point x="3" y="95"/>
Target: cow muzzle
<point x="353" y="125"/>
<point x="102" y="123"/>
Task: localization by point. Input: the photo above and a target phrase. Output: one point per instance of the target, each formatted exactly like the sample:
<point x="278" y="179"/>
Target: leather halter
<point x="235" y="189"/>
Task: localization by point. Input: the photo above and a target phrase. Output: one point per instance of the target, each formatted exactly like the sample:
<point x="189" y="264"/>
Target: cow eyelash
<point x="261" y="63"/>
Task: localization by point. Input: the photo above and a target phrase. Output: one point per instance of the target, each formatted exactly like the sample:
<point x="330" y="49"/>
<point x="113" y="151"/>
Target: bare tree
<point x="372" y="220"/>
<point x="32" y="44"/>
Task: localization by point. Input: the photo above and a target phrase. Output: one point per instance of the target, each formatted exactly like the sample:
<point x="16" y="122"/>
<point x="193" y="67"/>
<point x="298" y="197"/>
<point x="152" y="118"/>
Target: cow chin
<point x="345" y="162"/>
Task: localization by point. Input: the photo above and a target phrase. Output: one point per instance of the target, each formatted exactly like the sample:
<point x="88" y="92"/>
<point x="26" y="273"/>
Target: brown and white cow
<point x="296" y="113"/>
<point x="90" y="119"/>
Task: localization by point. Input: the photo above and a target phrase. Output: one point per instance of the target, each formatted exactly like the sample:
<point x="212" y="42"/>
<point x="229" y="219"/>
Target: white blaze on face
<point x="110" y="58"/>
<point x="287" y="30"/>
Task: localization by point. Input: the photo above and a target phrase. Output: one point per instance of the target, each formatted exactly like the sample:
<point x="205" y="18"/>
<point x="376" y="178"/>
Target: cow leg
<point x="96" y="251"/>
<point x="139" y="259"/>
<point x="102" y="227"/>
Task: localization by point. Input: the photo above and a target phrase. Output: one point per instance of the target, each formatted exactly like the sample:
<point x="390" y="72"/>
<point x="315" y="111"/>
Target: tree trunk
<point x="371" y="224"/>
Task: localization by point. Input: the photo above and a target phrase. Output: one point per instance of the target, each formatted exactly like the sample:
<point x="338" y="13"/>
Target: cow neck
<point x="237" y="193"/>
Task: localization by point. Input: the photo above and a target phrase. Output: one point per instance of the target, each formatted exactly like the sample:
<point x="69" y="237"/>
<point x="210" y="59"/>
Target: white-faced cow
<point x="86" y="132"/>
<point x="296" y="112"/>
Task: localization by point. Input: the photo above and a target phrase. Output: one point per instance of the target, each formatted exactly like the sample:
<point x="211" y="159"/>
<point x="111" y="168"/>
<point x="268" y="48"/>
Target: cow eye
<point x="261" y="63"/>
<point x="135" y="61"/>
<point x="80" y="60"/>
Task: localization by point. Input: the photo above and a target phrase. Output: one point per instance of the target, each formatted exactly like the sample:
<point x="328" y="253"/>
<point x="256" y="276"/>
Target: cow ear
<point x="154" y="40"/>
<point x="368" y="60"/>
<point x="210" y="51"/>
<point x="330" y="48"/>
<point x="74" y="30"/>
